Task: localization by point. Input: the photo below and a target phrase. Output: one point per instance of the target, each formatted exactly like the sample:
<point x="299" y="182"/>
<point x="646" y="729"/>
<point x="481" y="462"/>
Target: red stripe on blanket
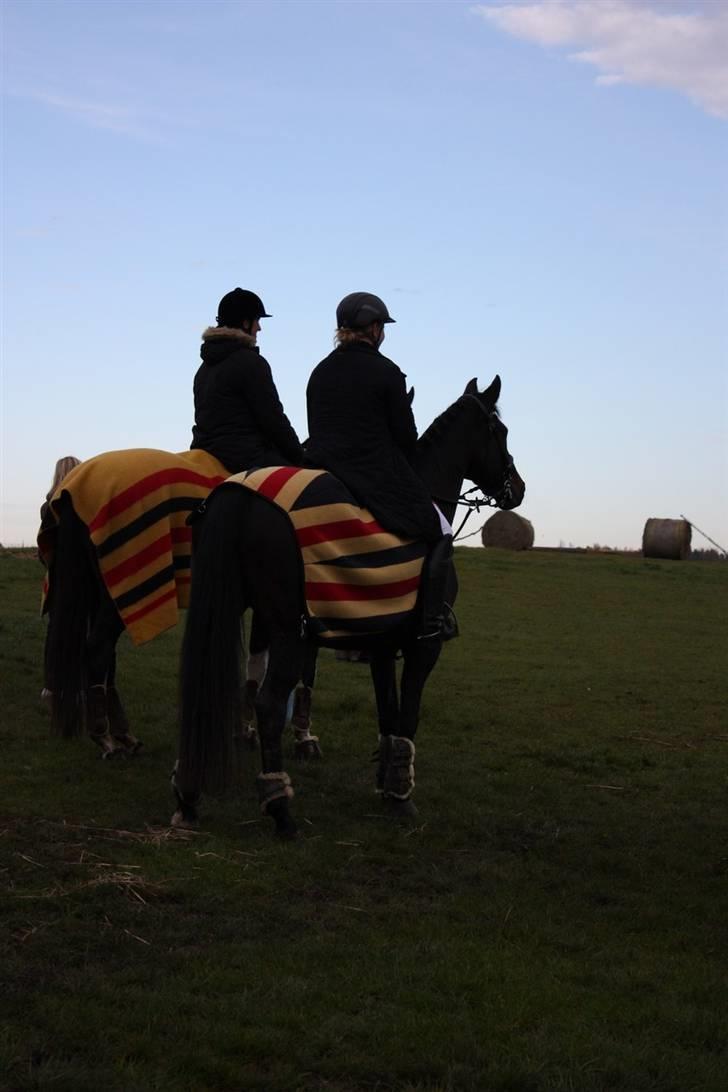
<point x="316" y="591"/>
<point x="330" y="532"/>
<point x="146" y="485"/>
<point x="133" y="564"/>
<point x="273" y="484"/>
<point x="130" y="619"/>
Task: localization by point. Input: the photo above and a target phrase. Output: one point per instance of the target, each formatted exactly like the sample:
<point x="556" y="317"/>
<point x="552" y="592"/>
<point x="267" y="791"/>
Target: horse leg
<point x="399" y="773"/>
<point x="100" y="646"/>
<point x="384" y="676"/>
<point x="255" y="669"/>
<point x="118" y="720"/>
<point x="306" y="746"/>
<point x="274" y="784"/>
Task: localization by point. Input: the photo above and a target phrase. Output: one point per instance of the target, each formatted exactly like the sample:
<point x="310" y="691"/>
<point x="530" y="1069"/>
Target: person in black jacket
<point x="362" y="430"/>
<point x="238" y="415"/>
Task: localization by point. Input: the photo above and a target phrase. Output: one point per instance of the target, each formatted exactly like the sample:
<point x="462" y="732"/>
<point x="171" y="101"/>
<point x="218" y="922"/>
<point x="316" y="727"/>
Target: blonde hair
<point x="344" y="336"/>
<point x="64" y="466"/>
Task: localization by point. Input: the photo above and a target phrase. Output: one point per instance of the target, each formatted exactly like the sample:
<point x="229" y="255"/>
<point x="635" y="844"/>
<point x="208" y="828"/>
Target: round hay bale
<point x="669" y="538"/>
<point x="508" y="531"/>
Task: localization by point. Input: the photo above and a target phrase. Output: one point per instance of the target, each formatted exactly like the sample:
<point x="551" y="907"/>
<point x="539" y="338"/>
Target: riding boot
<point x="437" y="616"/>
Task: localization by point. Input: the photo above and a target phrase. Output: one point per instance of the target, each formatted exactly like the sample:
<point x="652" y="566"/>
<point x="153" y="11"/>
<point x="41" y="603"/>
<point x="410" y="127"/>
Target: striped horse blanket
<point x="135" y="505"/>
<point x="359" y="579"/>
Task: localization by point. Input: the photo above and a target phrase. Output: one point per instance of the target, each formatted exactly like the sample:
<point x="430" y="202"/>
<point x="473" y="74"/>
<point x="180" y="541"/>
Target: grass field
<point x="557" y="920"/>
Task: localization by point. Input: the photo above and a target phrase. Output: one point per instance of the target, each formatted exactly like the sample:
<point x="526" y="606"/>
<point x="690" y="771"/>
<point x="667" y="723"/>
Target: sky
<point x="536" y="189"/>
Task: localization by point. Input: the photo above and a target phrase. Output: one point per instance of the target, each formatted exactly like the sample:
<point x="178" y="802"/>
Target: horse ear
<point x="411" y="395"/>
<point x="492" y="394"/>
<point x="472" y="387"/>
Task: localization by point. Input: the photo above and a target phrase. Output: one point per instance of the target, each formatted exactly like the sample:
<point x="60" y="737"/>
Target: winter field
<point x="557" y="919"/>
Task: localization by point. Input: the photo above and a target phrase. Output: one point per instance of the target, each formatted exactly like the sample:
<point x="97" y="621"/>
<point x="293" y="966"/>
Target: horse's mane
<point x="441" y="423"/>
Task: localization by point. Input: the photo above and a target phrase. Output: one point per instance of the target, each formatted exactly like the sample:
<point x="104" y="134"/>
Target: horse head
<point x="490" y="464"/>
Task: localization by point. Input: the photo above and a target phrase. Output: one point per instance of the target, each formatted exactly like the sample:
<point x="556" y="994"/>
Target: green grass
<point x="558" y="920"/>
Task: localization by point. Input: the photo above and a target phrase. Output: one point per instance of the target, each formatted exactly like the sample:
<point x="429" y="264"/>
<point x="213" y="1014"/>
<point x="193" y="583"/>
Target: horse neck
<point x="442" y="459"/>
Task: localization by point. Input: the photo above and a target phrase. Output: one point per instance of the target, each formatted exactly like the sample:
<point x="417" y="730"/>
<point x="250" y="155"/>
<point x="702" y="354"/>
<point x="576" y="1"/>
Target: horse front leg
<point x="274" y="784"/>
<point x="306" y="746"/>
<point x="384" y="676"/>
<point x="398" y="778"/>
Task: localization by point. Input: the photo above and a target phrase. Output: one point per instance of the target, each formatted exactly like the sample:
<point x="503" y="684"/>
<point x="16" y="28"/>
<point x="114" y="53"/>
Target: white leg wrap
<point x="398" y="775"/>
<point x="273" y="786"/>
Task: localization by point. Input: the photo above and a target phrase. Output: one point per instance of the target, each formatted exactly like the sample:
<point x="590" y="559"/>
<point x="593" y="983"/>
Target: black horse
<point x="245" y="556"/>
<point x="84" y="622"/>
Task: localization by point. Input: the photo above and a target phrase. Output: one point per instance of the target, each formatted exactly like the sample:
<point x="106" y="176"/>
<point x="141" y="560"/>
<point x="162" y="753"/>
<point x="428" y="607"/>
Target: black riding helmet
<point x="361" y="309"/>
<point x="240" y="306"/>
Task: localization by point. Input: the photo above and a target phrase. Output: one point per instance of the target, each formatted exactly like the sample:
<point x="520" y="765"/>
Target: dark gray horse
<point x="245" y="556"/>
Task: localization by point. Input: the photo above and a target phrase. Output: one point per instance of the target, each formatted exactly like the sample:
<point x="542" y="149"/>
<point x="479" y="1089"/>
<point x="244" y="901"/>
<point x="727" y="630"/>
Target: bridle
<point x="485" y="500"/>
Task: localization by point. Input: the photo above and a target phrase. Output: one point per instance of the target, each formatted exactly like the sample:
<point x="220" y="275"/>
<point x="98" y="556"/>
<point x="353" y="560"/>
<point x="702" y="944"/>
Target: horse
<point x="246" y="556"/>
<point x="117" y="548"/>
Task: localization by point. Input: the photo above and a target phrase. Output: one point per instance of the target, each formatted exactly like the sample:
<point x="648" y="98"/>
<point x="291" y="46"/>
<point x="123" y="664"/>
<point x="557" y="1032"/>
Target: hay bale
<point x="669" y="538"/>
<point x="508" y="531"/>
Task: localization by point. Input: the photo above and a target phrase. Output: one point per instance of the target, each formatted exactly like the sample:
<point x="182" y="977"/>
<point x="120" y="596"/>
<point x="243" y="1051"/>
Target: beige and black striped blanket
<point x="360" y="580"/>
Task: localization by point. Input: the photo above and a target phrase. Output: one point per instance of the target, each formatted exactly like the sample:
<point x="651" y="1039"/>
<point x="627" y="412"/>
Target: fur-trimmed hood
<point x="221" y="342"/>
<point x="228" y="331"/>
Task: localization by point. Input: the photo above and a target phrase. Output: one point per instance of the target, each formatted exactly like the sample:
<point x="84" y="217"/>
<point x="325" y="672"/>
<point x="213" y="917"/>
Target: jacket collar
<point x="213" y="332"/>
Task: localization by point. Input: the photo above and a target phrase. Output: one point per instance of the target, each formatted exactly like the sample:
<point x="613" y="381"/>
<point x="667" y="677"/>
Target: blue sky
<point x="535" y="189"/>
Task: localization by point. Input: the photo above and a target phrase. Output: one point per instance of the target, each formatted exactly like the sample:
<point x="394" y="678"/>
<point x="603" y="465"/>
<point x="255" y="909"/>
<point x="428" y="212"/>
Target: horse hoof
<point x="128" y="745"/>
<point x="307" y="750"/>
<point x="113" y="753"/>
<point x="180" y="821"/>
<point x="400" y="809"/>
<point x="287" y="833"/>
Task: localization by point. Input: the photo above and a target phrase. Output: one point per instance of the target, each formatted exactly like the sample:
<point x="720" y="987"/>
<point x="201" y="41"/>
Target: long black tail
<point x="210" y="670"/>
<point x="74" y="597"/>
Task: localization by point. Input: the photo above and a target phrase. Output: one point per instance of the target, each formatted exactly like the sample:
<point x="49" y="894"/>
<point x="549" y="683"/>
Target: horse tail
<point x="211" y="659"/>
<point x="73" y="600"/>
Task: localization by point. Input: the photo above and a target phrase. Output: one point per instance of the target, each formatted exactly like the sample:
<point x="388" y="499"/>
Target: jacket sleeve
<point x="399" y="415"/>
<point x="265" y="405"/>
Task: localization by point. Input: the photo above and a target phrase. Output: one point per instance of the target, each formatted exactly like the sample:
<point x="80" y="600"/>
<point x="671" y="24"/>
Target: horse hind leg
<point x="106" y="721"/>
<point x="255" y="671"/>
<point x="273" y="783"/>
<point x="119" y="723"/>
<point x="186" y="816"/>
<point x="98" y="726"/>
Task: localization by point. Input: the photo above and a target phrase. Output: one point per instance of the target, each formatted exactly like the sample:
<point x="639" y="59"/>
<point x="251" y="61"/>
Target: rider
<point x="362" y="430"/>
<point x="238" y="415"/>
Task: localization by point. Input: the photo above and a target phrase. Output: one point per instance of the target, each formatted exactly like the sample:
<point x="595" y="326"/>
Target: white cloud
<point x="141" y="122"/>
<point x="630" y="42"/>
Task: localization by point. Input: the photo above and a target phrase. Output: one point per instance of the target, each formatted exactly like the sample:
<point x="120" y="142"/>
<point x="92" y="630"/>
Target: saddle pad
<point x="134" y="504"/>
<point x="359" y="579"/>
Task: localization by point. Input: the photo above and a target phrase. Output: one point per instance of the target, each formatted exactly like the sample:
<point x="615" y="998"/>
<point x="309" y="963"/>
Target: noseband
<point x="504" y="494"/>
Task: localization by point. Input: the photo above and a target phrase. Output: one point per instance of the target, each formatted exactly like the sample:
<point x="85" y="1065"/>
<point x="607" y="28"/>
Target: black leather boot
<point x="437" y="616"/>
